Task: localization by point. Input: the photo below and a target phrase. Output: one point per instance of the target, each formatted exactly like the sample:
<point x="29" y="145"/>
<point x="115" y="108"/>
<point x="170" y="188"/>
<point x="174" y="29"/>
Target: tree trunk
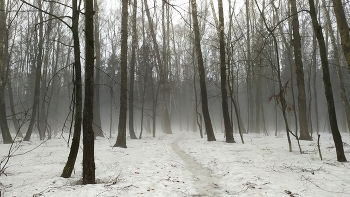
<point x="67" y="170"/>
<point x="226" y="115"/>
<point x="97" y="126"/>
<point x="249" y="71"/>
<point x="164" y="70"/>
<point x="12" y="107"/>
<point x="6" y="136"/>
<point x="327" y="84"/>
<point x="201" y="69"/>
<point x="314" y="73"/>
<point x="132" y="73"/>
<point x="121" y="139"/>
<point x="303" y="124"/>
<point x="88" y="133"/>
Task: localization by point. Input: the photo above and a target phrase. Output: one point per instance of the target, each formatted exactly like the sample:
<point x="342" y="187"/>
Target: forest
<point x="174" y="98"/>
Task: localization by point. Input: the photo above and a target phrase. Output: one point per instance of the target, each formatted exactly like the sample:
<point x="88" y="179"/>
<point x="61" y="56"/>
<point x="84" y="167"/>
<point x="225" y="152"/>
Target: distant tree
<point x="121" y="139"/>
<point x="44" y="104"/>
<point x="39" y="62"/>
<point x="88" y="133"/>
<point x="249" y="65"/>
<point x="201" y="69"/>
<point x="162" y="72"/>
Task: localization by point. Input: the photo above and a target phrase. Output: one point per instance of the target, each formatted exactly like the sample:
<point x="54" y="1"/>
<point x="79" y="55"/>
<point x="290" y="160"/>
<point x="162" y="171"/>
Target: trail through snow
<point x="203" y="181"/>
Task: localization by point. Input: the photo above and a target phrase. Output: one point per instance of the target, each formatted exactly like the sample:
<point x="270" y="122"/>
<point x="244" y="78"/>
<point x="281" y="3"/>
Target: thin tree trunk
<point x="197" y="115"/>
<point x="121" y="139"/>
<point x="249" y="69"/>
<point x="97" y="126"/>
<point x="132" y="73"/>
<point x="12" y="107"/>
<point x="67" y="170"/>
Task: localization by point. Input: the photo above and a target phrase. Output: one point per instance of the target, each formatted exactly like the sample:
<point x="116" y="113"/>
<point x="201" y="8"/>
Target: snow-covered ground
<point x="181" y="164"/>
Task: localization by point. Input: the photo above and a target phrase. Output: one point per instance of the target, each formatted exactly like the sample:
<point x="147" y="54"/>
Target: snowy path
<point x="203" y="181"/>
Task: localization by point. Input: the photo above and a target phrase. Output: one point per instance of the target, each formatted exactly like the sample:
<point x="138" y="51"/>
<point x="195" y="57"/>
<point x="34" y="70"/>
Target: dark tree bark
<point x="97" y="126"/>
<point x="6" y="136"/>
<point x="67" y="171"/>
<point x="201" y="69"/>
<point x="39" y="62"/>
<point x="327" y="84"/>
<point x="132" y="72"/>
<point x="88" y="133"/>
<point x="226" y="115"/>
<point x="121" y="139"/>
<point x="304" y="133"/>
<point x="343" y="29"/>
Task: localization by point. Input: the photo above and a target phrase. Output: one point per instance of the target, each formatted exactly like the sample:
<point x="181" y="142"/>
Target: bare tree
<point x="88" y="132"/>
<point x="97" y="126"/>
<point x="204" y="97"/>
<point x="121" y="139"/>
<point x="327" y="84"/>
<point x="226" y="115"/>
<point x="304" y="134"/>
<point x="67" y="170"/>
<point x="132" y="72"/>
<point x="6" y="136"/>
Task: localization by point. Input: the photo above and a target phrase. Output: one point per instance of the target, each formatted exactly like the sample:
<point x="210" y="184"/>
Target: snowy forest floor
<point x="181" y="164"/>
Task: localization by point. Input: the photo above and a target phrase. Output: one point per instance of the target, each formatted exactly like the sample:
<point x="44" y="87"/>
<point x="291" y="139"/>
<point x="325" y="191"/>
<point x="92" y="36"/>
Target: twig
<point x="318" y="146"/>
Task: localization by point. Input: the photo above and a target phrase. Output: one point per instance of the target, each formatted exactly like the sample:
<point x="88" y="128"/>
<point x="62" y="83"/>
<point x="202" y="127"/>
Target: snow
<point x="181" y="164"/>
